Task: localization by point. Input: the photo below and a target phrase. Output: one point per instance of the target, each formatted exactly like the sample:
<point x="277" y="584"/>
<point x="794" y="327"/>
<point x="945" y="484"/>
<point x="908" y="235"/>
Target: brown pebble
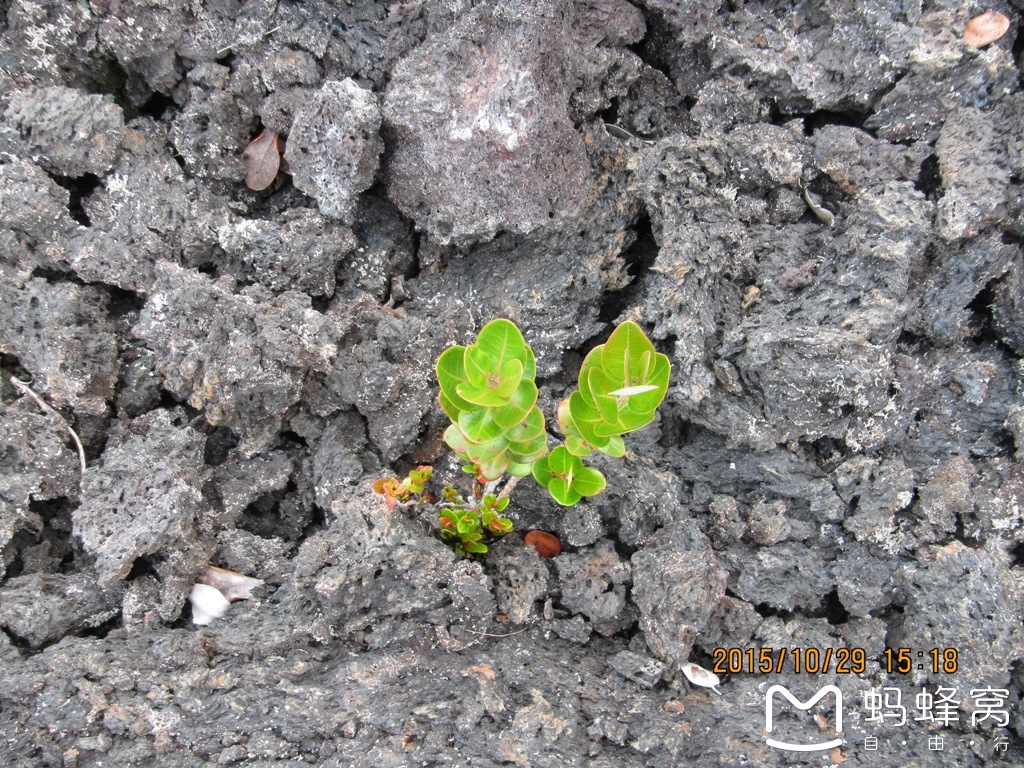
<point x="546" y="544"/>
<point x="986" y="28"/>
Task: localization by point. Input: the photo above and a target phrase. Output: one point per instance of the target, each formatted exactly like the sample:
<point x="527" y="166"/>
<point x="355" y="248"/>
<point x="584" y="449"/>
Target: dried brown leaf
<point x="986" y="28"/>
<point x="546" y="544"/>
<point x="262" y="161"/>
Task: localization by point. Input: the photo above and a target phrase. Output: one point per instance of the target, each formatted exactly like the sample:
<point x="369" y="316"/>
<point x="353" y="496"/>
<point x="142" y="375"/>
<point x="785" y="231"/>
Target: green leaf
<point x="494" y="467"/>
<point x="451" y="372"/>
<point x="562" y="492"/>
<point x="588" y="482"/>
<point x="501" y="341"/>
<point x="518" y="406"/>
<point x="615" y="447"/>
<point x="657" y="377"/>
<point x="561" y="462"/>
<point x="628" y="422"/>
<point x="530" y="365"/>
<point x="518" y="468"/>
<point x="527" y="458"/>
<point x="455" y="440"/>
<point x="486" y="451"/>
<point x="594" y="359"/>
<point x="496" y="388"/>
<point x="511" y="375"/>
<point x="577" y="446"/>
<point x="541" y="472"/>
<point x="627" y="354"/>
<point x="529" y="429"/>
<point x="530" y="449"/>
<point x="476" y="548"/>
<point x="599" y="386"/>
<point x="478" y="425"/>
<point x="586" y="418"/>
<point x="479" y="366"/>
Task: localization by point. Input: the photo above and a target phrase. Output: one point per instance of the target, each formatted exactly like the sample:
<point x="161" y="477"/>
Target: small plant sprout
<point x="489" y="393"/>
<point x="697" y="675"/>
<point x="466" y="527"/>
<point x="413" y="488"/>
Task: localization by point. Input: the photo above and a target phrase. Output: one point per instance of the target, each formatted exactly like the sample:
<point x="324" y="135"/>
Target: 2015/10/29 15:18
<point x="841" y="661"/>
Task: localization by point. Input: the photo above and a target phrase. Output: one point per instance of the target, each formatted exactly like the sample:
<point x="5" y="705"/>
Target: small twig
<point x="49" y="411"/>
<point x="239" y="42"/>
<point x="509" y="486"/>
<point x="491" y="634"/>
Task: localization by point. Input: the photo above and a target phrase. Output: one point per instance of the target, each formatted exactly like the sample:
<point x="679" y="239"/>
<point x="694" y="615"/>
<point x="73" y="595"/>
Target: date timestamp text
<point x="841" y="661"/>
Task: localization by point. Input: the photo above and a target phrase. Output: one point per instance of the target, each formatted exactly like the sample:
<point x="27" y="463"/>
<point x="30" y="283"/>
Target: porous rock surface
<point x="814" y="209"/>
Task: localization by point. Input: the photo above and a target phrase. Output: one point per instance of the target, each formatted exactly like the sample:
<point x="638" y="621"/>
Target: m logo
<point x="769" y="709"/>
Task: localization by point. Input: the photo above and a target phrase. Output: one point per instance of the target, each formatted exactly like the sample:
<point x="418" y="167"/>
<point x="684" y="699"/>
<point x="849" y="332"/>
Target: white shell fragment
<point x="697" y="675"/>
<point x="825" y="216"/>
<point x="234" y="586"/>
<point x="207" y="604"/>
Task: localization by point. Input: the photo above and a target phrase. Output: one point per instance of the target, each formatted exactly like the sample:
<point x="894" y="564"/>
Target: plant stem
<point x="509" y="486"/>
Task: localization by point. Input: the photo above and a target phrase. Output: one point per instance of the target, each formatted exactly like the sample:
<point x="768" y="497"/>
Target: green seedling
<point x="489" y="392"/>
<point x="412" y="488"/>
<point x="565" y="477"/>
<point x="467" y="527"/>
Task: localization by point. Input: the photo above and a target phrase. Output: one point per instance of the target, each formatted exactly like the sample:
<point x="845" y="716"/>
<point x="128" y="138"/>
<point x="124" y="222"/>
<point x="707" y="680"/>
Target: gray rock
<point x="642" y="670"/>
<point x="768" y="524"/>
<point x="138" y="215"/>
<point x="800" y="60"/>
<point x="38" y="463"/>
<point x="333" y="146"/>
<point x="785" y="576"/>
<point x="301" y="252"/>
<point x="1008" y="307"/>
<point x="975" y="174"/>
<point x="520" y="580"/>
<point x="880" y="490"/>
<point x="947" y="496"/>
<point x="35" y="209"/>
<point x="373" y="565"/>
<point x="960" y="273"/>
<point x="856" y="161"/>
<point x="210" y="132"/>
<point x="864" y="579"/>
<point x="63" y="336"/>
<point x="254" y="555"/>
<point x="145" y="498"/>
<point x="336" y="463"/>
<point x="943" y="76"/>
<point x="240" y="357"/>
<point x="966" y="599"/>
<point x="239" y="481"/>
<point x="477" y="126"/>
<point x="277" y="111"/>
<point x="42" y="608"/>
<point x="677" y="586"/>
<point x="288" y="67"/>
<point x="594" y="583"/>
<point x="72" y="133"/>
